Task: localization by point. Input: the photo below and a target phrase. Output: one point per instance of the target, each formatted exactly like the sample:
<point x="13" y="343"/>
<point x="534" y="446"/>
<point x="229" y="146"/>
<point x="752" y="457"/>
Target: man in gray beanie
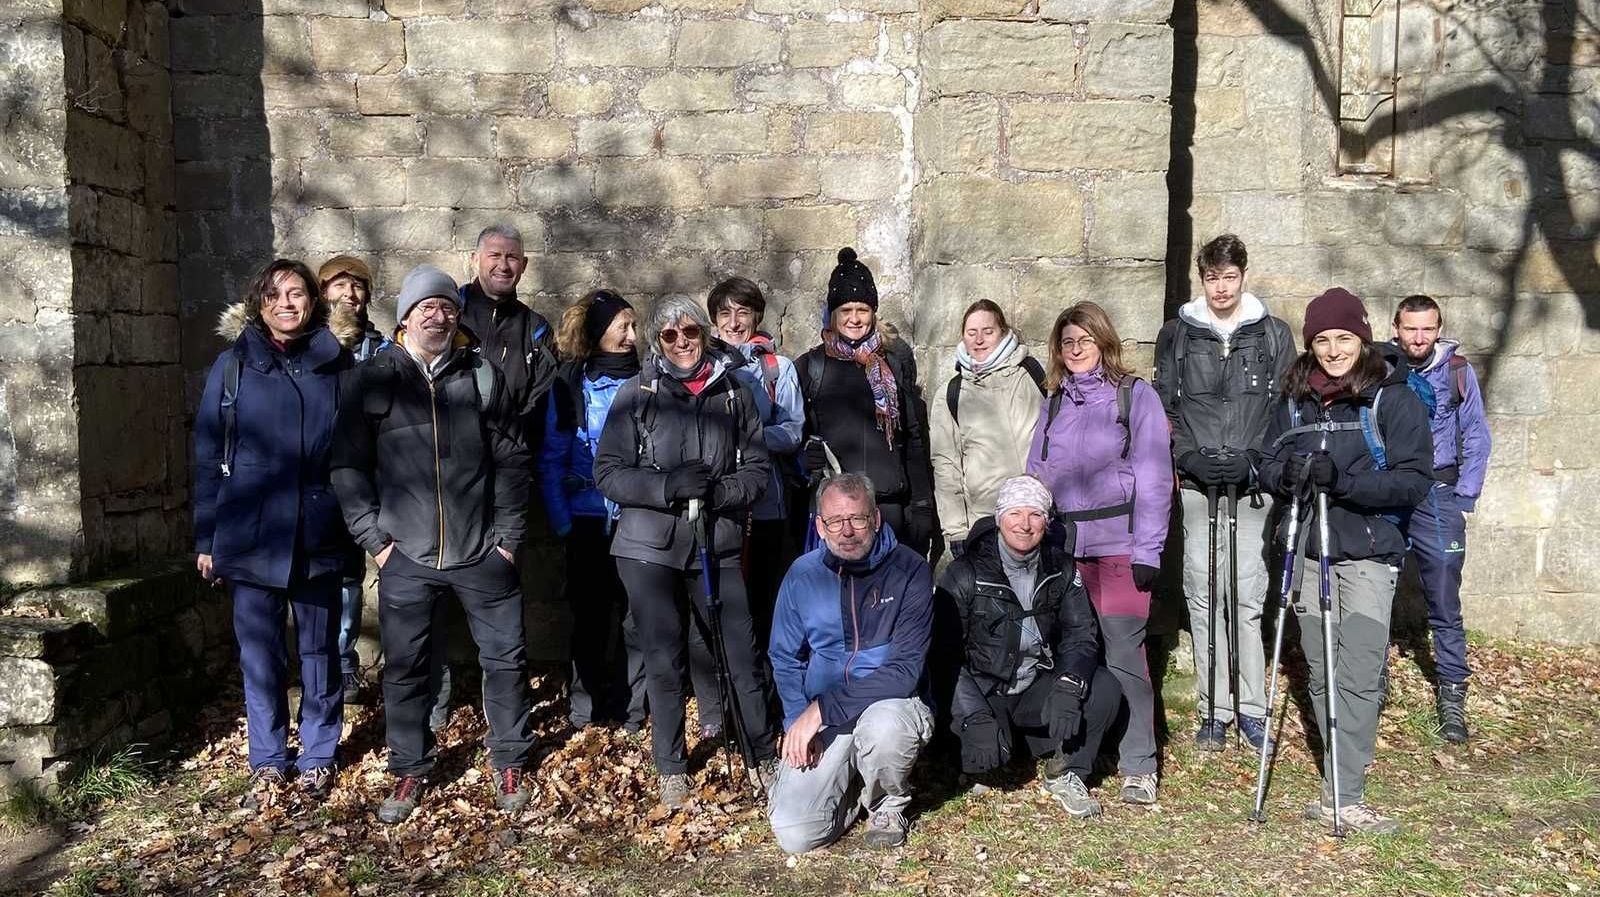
<point x="1030" y="649"/>
<point x="432" y="475"/>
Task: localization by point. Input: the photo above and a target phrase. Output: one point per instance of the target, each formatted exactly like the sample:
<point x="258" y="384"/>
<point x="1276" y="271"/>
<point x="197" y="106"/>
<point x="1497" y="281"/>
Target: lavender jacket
<point x="1086" y="471"/>
<point x="1464" y="421"/>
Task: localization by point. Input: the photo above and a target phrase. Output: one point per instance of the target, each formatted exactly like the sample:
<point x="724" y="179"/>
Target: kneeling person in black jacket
<point x="432" y="475"/>
<point x="1031" y="649"/>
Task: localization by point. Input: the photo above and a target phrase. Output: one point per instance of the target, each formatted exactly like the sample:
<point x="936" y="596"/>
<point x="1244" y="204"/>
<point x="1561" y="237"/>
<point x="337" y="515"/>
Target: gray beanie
<point x="424" y="282"/>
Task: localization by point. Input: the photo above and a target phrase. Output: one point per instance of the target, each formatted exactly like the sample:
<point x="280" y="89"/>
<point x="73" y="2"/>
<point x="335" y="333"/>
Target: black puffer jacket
<point x="521" y="344"/>
<point x="975" y="585"/>
<point x="1365" y="500"/>
<point x="1220" y="393"/>
<point x="427" y="466"/>
<point x="839" y="409"/>
<point x="656" y="425"/>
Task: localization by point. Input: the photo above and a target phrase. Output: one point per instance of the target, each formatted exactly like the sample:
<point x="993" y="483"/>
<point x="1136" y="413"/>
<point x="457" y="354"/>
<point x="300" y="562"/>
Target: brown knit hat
<point x="1336" y="309"/>
<point x="344" y="264"/>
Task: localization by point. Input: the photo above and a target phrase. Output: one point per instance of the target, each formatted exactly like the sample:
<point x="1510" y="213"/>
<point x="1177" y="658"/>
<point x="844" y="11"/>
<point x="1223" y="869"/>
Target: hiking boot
<point x="1073" y="795"/>
<point x="762" y="776"/>
<point x="316" y="783"/>
<point x="402" y="800"/>
<point x="352" y="688"/>
<point x="1364" y="819"/>
<point x="674" y="790"/>
<point x="1139" y="789"/>
<point x="510" y="794"/>
<point x="1212" y="735"/>
<point x="886" y="828"/>
<point x="439" y="717"/>
<point x="1254" y="730"/>
<point x="1452" y="705"/>
<point x="263" y="782"/>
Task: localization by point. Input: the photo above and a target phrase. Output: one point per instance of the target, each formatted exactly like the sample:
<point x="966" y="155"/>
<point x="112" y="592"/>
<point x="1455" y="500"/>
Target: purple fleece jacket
<point x="1086" y="470"/>
<point x="1465" y="420"/>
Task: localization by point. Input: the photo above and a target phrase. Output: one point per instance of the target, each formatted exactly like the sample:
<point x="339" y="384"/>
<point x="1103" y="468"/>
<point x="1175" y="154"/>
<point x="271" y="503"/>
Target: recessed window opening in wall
<point x="1369" y="87"/>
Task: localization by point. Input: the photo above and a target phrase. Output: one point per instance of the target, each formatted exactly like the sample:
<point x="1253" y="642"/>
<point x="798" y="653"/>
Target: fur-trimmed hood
<point x="345" y="327"/>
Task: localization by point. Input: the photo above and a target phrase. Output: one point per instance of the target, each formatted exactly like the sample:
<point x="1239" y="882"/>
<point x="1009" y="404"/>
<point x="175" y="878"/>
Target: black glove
<point x="815" y="458"/>
<point x="958" y="548"/>
<point x="724" y="496"/>
<point x="692" y="480"/>
<point x="1064" y="708"/>
<point x="1198" y="467"/>
<point x="980" y="743"/>
<point x="1305" y="471"/>
<point x="1144" y="577"/>
<point x="922" y="525"/>
<point x="1232" y="470"/>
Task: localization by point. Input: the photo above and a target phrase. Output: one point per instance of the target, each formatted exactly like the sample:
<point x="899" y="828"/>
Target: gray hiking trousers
<point x="1363" y="596"/>
<point x="1253" y="535"/>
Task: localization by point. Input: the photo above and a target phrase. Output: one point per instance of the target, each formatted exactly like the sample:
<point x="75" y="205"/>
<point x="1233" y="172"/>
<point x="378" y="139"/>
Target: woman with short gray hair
<point x="685" y="436"/>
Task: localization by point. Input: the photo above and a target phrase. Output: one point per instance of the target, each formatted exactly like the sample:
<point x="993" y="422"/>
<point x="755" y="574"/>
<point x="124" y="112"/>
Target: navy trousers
<point x="258" y="623"/>
<point x="1438" y="533"/>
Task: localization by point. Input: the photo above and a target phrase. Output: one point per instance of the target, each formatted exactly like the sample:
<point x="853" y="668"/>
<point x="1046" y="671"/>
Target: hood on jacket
<point x="1196" y="313"/>
<point x="883" y="545"/>
<point x="1443" y="351"/>
<point x="345" y="327"/>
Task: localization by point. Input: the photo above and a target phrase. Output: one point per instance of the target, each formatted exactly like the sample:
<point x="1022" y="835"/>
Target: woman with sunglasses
<point x="1104" y="448"/>
<point x="596" y="344"/>
<point x="685" y="435"/>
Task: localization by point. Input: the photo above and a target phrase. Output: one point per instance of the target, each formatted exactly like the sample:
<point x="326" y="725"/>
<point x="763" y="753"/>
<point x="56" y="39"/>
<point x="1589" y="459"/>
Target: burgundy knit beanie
<point x="1336" y="309"/>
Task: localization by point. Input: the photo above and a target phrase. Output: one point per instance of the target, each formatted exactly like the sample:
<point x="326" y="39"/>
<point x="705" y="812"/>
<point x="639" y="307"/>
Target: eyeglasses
<point x="1082" y="343"/>
<point x="444" y="310"/>
<point x="690" y="332"/>
<point x="835" y="525"/>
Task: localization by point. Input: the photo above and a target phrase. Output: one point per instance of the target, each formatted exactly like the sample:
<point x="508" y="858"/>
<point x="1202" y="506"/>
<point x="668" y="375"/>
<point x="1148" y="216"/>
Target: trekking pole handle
<point x="694" y="509"/>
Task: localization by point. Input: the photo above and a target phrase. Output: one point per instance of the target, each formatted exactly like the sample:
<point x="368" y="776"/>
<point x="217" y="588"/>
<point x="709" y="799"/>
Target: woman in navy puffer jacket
<point x="266" y="521"/>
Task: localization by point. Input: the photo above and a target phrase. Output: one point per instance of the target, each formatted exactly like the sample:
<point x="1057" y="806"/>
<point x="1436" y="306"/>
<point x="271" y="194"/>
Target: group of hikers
<point x="763" y="532"/>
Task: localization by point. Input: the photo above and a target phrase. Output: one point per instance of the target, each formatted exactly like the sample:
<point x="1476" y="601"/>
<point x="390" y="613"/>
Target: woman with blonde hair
<point x="1104" y="449"/>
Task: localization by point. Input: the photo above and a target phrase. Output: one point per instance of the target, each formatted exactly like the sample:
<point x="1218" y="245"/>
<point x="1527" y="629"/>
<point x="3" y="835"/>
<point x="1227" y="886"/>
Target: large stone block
<point x="556" y="186"/>
<point x="1130" y="217"/>
<point x="943" y="293"/>
<point x="853" y="132"/>
<point x="469" y="223"/>
<point x="1116" y="135"/>
<point x="862" y="180"/>
<point x="457" y="184"/>
<point x="460" y="137"/>
<point x="581" y="97"/>
<point x="532" y="138"/>
<point x="829" y="44"/>
<point x="351" y="183"/>
<point x="689" y="92"/>
<point x="811" y="227"/>
<point x="968" y="219"/>
<point x="1132" y="295"/>
<point x="408" y="9"/>
<point x="1424" y="219"/>
<point x="612" y="42"/>
<point x="1273" y="219"/>
<point x="874" y="90"/>
<point x="617" y="137"/>
<point x="493" y="47"/>
<point x="719" y="230"/>
<point x="936" y="10"/>
<point x="958" y="135"/>
<point x="716" y="133"/>
<point x="670" y="183"/>
<point x="1564" y="441"/>
<point x="1151" y="11"/>
<point x="27" y="692"/>
<point x="327" y="93"/>
<point x="727" y="43"/>
<point x="758" y="180"/>
<point x="374" y="135"/>
<point x="383" y="230"/>
<point x="358" y="45"/>
<point x="104" y="154"/>
<point x="787" y="89"/>
<point x="1128" y="61"/>
<point x="1002" y="58"/>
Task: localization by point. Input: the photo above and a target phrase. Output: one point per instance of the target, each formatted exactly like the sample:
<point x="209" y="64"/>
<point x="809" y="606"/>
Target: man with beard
<point x="432" y="475"/>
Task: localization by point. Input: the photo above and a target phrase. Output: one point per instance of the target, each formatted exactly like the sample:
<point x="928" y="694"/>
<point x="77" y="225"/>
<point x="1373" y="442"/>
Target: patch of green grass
<point x="361" y="870"/>
<point x="1567" y="784"/>
<point x="1407" y="863"/>
<point x="93" y="881"/>
<point x="485" y="884"/>
<point x="25" y="807"/>
<point x="114" y="777"/>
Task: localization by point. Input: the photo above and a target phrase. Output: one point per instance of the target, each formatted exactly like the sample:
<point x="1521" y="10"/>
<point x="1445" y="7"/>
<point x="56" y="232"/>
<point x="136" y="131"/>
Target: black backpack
<point x="1124" y="403"/>
<point x="952" y="390"/>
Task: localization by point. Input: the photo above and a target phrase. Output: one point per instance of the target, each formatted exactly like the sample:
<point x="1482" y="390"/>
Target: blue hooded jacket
<point x="1460" y="429"/>
<point x="566" y="461"/>
<point x="850" y="634"/>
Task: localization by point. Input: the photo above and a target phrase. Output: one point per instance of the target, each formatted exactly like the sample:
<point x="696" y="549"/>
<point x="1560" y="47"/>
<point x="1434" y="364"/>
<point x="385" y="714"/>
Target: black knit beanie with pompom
<point x="850" y="282"/>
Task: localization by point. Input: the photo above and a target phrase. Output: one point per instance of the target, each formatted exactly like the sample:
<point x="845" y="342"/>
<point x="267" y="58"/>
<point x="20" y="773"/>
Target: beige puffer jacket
<point x="998" y="411"/>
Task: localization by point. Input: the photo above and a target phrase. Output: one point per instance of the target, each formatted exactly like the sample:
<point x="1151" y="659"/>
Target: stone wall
<point x="1490" y="208"/>
<point x="88" y="669"/>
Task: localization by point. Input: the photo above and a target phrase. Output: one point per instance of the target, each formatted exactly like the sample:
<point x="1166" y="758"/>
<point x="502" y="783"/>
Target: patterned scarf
<point x="869" y="354"/>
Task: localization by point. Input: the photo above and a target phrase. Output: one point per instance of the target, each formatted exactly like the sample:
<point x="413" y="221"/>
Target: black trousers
<point x="607" y="665"/>
<point x="1082" y="746"/>
<point x="665" y="603"/>
<point x="411" y="604"/>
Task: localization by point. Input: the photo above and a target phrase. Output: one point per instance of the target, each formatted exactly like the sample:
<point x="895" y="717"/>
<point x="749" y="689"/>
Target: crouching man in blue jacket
<point x="849" y="636"/>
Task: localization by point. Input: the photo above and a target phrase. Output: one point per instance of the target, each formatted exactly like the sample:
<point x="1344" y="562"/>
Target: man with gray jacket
<point x="432" y="475"/>
<point x="1218" y="370"/>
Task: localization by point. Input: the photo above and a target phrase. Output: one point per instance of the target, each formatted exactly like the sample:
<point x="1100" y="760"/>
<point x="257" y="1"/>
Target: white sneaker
<point x="1139" y="789"/>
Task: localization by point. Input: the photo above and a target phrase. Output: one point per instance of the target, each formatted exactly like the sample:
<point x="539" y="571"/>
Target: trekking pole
<point x="1330" y="676"/>
<point x="811" y="537"/>
<point x="1233" y="604"/>
<point x="1288" y="592"/>
<point x="732" y="717"/>
<point x="1211" y="609"/>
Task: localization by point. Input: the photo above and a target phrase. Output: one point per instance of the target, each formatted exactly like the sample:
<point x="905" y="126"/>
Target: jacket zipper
<point x="438" y="475"/>
<point x="855" y="630"/>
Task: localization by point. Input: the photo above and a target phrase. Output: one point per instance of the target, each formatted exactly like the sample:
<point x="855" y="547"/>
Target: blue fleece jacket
<point x="850" y="634"/>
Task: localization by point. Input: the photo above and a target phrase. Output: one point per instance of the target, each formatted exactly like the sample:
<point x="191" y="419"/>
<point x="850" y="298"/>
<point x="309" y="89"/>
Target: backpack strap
<point x="1124" y="408"/>
<point x="1371" y="433"/>
<point x="232" y="368"/>
<point x="769" y="374"/>
<point x="952" y="397"/>
<point x="483" y="379"/>
<point x="1458" y="380"/>
<point x="1036" y="371"/>
<point x="1052" y="409"/>
<point x="643" y="410"/>
<point x="1180" y="348"/>
<point x="816" y="367"/>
